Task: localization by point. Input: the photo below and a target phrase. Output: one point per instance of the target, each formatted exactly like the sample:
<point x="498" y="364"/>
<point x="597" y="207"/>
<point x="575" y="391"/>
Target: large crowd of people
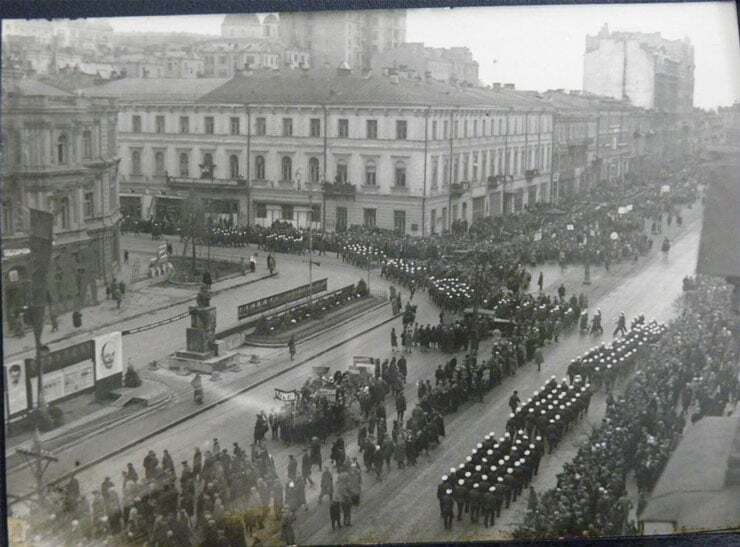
<point x="693" y="365"/>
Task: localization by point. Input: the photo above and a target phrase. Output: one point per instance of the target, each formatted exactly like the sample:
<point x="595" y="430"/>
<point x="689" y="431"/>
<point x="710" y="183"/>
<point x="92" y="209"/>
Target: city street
<point x="391" y="510"/>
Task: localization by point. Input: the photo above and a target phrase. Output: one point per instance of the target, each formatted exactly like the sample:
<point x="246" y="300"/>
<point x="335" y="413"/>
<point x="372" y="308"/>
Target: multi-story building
<point x="59" y="156"/>
<point x="646" y="69"/>
<point x="597" y="139"/>
<point x="352" y="37"/>
<point x="407" y="155"/>
<point x="437" y="63"/>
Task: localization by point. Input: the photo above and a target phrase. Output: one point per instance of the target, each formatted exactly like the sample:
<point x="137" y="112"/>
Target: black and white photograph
<point x="405" y="275"/>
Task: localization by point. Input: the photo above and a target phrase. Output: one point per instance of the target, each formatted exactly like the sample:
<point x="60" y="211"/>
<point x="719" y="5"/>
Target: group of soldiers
<point x="603" y="364"/>
<point x="642" y="426"/>
<point x="498" y="471"/>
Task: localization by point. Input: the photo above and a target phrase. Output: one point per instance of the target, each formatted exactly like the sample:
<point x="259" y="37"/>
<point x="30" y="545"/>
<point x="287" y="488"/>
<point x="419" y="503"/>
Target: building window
<point x="261" y="127"/>
<point x="259" y="167"/>
<point x="287" y="127"/>
<point x="184" y="124"/>
<point x="261" y="210"/>
<point x="8" y="224"/>
<point x="89" y="210"/>
<point x="286" y="169"/>
<point x="315" y="128"/>
<point x="465" y="129"/>
<point x="455" y="129"/>
<point x="343" y="128"/>
<point x="136" y="163"/>
<point x="475" y="165"/>
<point x="87" y="144"/>
<point x="234" y="165"/>
<point x="61" y="210"/>
<point x="435" y="172"/>
<point x="500" y="126"/>
<point x="401" y="130"/>
<point x="207" y="168"/>
<point x="209" y="125"/>
<point x="184" y="164"/>
<point x="400" y="175"/>
<point x="159" y="163"/>
<point x="341" y="223"/>
<point x="372" y="129"/>
<point x="456" y="169"/>
<point x="287" y="212"/>
<point x="62" y="150"/>
<point x="434" y="130"/>
<point x="446" y="127"/>
<point x="399" y="222"/>
<point x="313" y="170"/>
<point x="234" y="125"/>
<point x="316" y="213"/>
<point x="136" y="123"/>
<point x="466" y="161"/>
<point x="159" y="124"/>
<point x="342" y="172"/>
<point x="370" y="173"/>
<point x="368" y="217"/>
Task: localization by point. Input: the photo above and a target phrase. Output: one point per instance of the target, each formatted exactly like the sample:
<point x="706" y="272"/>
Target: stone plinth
<point x="202" y="333"/>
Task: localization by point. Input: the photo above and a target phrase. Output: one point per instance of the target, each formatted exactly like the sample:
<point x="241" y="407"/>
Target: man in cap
<point x="446" y="504"/>
<point x="489" y="506"/>
<point x="460" y="495"/>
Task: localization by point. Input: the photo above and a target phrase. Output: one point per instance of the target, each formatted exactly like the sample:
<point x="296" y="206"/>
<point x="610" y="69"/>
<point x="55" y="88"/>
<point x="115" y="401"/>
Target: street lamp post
<point x="310" y="236"/>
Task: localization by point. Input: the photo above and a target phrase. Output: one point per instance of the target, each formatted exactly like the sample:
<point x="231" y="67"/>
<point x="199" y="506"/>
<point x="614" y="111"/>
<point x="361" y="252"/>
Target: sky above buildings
<point x="542" y="47"/>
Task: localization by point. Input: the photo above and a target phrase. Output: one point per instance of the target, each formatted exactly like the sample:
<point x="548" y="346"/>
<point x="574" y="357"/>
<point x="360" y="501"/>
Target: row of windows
<point x="261" y="126"/>
<point x="473" y="166"/>
<point x="61" y="150"/>
<point x="484" y="127"/>
<point x="208" y="168"/>
<point x="464" y="130"/>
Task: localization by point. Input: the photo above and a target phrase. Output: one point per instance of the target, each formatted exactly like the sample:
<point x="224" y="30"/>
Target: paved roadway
<point x="403" y="506"/>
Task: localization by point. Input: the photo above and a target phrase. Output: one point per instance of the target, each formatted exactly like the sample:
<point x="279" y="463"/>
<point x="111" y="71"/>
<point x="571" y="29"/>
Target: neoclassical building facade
<point x="337" y="149"/>
<point x="59" y="156"/>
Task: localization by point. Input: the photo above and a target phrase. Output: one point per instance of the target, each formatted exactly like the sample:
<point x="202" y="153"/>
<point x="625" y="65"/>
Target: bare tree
<point x="193" y="224"/>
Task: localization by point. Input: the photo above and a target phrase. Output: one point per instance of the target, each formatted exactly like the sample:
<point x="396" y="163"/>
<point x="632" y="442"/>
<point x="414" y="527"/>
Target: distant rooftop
<point x="156" y="90"/>
<point x="327" y="86"/>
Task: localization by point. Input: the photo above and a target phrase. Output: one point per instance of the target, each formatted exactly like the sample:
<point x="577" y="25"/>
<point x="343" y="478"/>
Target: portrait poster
<point x="108" y="355"/>
<point x="16" y="392"/>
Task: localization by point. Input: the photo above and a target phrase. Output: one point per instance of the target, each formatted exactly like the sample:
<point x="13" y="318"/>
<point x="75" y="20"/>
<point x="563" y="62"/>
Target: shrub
<point x="56" y="415"/>
<point x="131" y="378"/>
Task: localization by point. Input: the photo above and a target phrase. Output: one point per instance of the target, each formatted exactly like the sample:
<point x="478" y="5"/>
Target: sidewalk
<point x="272" y="363"/>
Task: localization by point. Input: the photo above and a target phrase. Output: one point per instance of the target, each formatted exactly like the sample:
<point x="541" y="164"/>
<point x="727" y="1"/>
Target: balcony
<point x="190" y="182"/>
<point x="457" y="189"/>
<point x="339" y="190"/>
<point x="530" y="174"/>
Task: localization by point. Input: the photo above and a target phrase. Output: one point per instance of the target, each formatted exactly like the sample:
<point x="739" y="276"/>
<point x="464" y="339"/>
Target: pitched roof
<point x="326" y="86"/>
<point x="691" y="491"/>
<point x="155" y="90"/>
<point x="31" y="87"/>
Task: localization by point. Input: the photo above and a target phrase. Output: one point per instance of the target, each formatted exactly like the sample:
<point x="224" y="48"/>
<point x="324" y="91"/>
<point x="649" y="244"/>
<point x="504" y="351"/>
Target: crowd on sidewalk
<point x="693" y="365"/>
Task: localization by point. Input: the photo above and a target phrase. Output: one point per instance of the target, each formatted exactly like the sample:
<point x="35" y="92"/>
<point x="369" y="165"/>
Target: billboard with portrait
<point x="16" y="392"/>
<point x="108" y="355"/>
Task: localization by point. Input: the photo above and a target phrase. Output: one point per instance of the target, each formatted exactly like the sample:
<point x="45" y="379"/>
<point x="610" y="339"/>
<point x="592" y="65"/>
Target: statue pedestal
<point x="201" y="353"/>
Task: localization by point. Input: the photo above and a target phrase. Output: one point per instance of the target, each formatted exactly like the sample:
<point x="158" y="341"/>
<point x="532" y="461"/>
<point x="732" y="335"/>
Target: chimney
<point x="509" y="86"/>
<point x="497" y="86"/>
